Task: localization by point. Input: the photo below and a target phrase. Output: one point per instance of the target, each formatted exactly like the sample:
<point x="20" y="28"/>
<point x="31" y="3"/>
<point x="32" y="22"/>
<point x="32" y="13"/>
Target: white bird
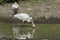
<point x="24" y="17"/>
<point x="15" y="7"/>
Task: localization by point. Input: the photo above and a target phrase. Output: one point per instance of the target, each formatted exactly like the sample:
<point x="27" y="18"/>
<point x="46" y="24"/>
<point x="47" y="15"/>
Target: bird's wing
<point x="22" y="16"/>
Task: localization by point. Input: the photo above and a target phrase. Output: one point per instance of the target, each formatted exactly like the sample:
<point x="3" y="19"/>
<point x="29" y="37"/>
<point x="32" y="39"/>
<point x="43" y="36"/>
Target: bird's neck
<point x="33" y="24"/>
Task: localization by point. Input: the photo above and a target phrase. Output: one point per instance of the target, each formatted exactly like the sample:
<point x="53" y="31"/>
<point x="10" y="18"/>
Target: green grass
<point x="42" y="30"/>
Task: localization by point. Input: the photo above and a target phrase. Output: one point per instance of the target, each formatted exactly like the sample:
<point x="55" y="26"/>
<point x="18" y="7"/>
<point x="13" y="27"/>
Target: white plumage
<point x="15" y="5"/>
<point x="24" y="17"/>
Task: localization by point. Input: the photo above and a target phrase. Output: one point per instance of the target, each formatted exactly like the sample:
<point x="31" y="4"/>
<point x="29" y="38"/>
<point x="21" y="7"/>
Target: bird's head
<point x="29" y="19"/>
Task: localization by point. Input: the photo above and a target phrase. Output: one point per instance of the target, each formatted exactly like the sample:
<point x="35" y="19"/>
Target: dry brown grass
<point x="38" y="9"/>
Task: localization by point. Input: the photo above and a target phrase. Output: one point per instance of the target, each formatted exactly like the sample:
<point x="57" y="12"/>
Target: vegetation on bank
<point x="10" y="1"/>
